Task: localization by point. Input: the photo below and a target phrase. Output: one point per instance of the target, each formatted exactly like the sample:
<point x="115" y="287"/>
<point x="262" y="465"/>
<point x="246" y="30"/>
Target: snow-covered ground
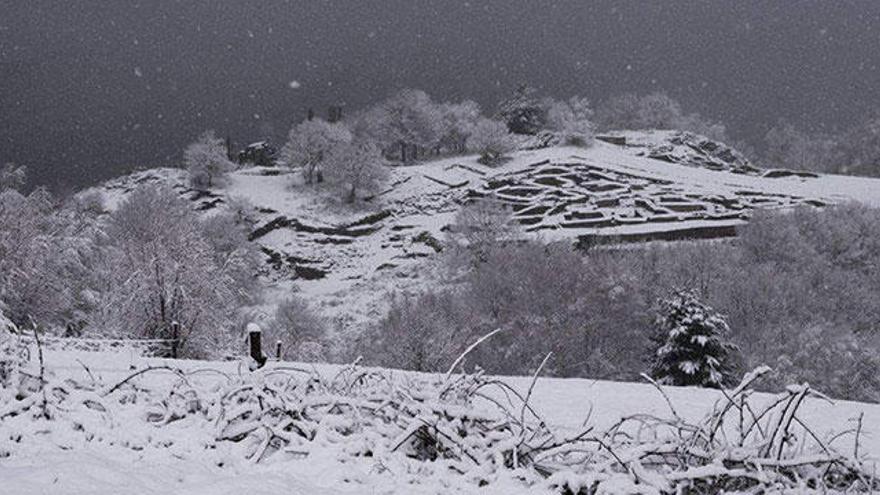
<point x="138" y="457"/>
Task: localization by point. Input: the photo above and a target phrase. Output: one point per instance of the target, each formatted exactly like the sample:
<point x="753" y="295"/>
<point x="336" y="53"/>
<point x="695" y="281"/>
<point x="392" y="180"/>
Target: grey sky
<point x="91" y="89"/>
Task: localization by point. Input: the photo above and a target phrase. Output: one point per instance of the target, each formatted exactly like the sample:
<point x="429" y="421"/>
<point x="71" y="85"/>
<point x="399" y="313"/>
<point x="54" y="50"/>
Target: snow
<point x="55" y="460"/>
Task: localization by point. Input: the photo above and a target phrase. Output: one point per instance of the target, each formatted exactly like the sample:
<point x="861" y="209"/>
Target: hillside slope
<point x="629" y="185"/>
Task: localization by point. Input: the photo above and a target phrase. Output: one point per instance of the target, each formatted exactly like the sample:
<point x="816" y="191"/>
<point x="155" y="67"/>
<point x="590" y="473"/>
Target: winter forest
<point x="419" y="284"/>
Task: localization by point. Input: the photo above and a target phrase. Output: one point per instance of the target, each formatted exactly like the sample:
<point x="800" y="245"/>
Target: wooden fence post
<point x="278" y="350"/>
<point x="255" y="344"/>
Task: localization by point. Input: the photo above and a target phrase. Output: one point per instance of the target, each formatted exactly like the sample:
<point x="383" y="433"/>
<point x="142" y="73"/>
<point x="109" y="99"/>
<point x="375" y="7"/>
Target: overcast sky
<point x="92" y="89"/>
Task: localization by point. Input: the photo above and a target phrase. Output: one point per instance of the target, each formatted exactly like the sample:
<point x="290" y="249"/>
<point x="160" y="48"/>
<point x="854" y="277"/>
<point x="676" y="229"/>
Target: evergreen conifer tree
<point x="691" y="346"/>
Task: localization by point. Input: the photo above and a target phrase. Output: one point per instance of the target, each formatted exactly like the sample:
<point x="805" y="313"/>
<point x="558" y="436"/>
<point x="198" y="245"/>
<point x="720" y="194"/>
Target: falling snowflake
<point x="138" y="72"/>
<point x="295" y="84"/>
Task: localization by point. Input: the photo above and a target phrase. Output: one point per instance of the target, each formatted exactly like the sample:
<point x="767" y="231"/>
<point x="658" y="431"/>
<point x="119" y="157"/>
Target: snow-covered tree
<point x="163" y="278"/>
<point x="522" y="113"/>
<point x="357" y="168"/>
<point x="310" y="143"/>
<point x="207" y="160"/>
<point x="492" y="140"/>
<point x="31" y="258"/>
<point x="458" y="120"/>
<point x="571" y="120"/>
<point x="631" y="111"/>
<point x="12" y="176"/>
<point x="404" y="125"/>
<point x="691" y="346"/>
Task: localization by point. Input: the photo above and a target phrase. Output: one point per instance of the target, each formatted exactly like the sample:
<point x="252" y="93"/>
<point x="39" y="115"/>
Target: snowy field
<point x="138" y="457"/>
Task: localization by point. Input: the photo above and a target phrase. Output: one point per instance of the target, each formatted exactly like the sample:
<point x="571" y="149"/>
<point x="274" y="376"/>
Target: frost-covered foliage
<point x="12" y="176"/>
<point x="654" y="111"/>
<point x="356" y="168"/>
<point x="571" y="120"/>
<point x="522" y="112"/>
<point x="692" y="344"/>
<point x="300" y="330"/>
<point x="168" y="275"/>
<point x="492" y="140"/>
<point x="207" y="161"/>
<point x="309" y="145"/>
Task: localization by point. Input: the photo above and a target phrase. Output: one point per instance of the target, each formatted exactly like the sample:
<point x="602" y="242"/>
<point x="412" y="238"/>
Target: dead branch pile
<point x="468" y="424"/>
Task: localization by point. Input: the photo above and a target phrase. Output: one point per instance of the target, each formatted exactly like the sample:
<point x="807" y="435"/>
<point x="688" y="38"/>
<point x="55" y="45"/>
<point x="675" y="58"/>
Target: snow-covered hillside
<point x="632" y="185"/>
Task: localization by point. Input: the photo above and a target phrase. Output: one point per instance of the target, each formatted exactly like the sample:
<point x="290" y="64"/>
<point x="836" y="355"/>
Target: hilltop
<point x="627" y="186"/>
